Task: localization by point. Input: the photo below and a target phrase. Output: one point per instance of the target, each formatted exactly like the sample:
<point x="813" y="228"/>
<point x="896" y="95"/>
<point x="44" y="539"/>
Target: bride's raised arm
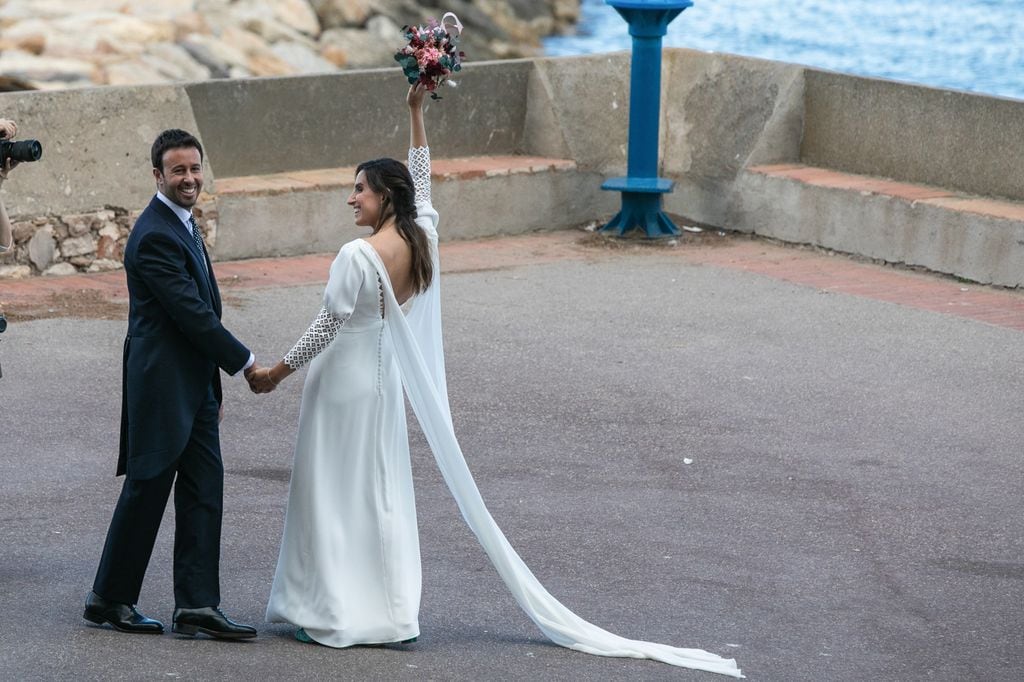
<point x="419" y="152"/>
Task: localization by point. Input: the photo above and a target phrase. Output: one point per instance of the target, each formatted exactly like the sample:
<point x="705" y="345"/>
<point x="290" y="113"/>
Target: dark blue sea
<point x="975" y="45"/>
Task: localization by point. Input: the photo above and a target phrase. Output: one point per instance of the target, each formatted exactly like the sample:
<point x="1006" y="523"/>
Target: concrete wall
<point x="272" y="125"/>
<point x="721" y="114"/>
<point x="96" y="144"/>
<point x="972" y="143"/>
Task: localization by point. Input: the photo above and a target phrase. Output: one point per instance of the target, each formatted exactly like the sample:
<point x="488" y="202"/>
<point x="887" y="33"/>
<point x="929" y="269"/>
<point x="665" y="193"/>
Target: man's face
<point x="181" y="178"/>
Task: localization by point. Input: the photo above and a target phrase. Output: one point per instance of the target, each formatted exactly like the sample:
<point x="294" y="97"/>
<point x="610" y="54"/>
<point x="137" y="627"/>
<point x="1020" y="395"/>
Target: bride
<point x="348" y="571"/>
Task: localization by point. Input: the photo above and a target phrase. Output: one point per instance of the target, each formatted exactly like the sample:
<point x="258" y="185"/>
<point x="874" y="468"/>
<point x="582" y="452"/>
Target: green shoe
<point x="301" y="635"/>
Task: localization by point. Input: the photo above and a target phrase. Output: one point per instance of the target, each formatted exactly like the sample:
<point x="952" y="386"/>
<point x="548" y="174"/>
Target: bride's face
<point x="365" y="202"/>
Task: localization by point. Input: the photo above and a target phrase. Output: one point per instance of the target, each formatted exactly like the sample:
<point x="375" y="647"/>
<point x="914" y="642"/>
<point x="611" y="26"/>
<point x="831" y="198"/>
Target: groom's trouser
<point x="198" y="504"/>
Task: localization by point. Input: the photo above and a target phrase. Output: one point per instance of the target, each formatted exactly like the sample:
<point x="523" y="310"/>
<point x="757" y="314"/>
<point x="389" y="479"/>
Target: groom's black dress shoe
<point x="210" y="621"/>
<point x="121" y="617"/>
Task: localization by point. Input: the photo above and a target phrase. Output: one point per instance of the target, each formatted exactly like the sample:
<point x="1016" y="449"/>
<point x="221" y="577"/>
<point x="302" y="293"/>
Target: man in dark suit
<point x="171" y="405"/>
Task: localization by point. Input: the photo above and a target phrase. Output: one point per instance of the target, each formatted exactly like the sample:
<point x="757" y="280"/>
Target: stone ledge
<point x="300" y="212"/>
<point x="914" y="193"/>
<point x="465" y="168"/>
<point x="971" y="237"/>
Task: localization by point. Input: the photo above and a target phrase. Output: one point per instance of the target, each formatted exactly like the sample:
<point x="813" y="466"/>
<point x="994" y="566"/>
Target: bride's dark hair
<point x="391" y="179"/>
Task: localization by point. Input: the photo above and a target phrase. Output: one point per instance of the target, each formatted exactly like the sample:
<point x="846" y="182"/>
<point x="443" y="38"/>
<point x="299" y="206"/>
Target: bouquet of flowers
<point x="432" y="54"/>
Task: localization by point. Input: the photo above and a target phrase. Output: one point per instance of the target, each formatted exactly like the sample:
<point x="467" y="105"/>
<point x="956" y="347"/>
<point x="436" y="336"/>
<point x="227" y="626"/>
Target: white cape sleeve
<point x="417" y="342"/>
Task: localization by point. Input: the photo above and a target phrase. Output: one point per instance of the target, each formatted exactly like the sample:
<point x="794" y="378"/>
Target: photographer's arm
<point x="8" y="129"/>
<point x="6" y="234"/>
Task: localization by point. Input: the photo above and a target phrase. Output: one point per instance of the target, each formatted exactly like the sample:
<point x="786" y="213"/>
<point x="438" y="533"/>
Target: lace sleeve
<point x="319" y="335"/>
<point x="419" y="168"/>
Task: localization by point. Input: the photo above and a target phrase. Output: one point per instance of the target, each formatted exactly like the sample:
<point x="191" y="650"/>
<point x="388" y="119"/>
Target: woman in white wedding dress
<point x="349" y="566"/>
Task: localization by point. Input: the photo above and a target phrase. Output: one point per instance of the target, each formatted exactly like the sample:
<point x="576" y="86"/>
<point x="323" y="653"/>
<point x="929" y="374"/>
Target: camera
<point x="23" y="150"/>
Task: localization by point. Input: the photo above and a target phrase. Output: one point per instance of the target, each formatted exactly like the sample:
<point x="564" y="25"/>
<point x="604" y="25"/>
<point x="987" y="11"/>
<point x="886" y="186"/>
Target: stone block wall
<point x="93" y="241"/>
<point x="66" y="244"/>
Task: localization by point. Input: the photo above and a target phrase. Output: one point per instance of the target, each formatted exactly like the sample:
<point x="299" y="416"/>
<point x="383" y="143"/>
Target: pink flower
<point x="427" y="56"/>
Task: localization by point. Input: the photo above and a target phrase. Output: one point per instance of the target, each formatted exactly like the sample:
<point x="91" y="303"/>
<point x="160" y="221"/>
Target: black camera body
<point x="3" y="323"/>
<point x="22" y="150"/>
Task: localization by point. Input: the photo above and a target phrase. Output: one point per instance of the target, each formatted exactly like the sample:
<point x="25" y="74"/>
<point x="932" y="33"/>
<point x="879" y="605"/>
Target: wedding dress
<point x="349" y="566"/>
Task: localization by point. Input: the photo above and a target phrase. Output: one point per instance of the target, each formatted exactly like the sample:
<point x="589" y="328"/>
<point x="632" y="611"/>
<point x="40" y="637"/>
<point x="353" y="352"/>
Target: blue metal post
<point x="642" y="188"/>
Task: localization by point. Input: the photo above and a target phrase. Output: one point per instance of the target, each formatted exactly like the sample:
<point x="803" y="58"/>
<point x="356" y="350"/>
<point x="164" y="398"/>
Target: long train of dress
<point x="417" y="343"/>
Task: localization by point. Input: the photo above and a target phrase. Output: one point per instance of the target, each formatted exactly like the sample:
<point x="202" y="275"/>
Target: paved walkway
<point x="768" y="452"/>
<point x="806" y="267"/>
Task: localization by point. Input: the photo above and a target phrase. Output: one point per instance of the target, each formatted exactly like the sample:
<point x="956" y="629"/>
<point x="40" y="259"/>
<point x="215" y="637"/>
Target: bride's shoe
<point x="301" y="635"/>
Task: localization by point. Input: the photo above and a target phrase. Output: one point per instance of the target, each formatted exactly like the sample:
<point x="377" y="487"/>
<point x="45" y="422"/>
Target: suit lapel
<point x="179" y="229"/>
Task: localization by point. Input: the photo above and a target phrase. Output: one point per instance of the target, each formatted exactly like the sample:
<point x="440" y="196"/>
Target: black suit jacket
<point x="175" y="342"/>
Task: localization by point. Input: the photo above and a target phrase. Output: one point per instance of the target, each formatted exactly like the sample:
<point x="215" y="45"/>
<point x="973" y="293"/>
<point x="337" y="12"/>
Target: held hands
<point x="266" y="379"/>
<point x="260" y="380"/>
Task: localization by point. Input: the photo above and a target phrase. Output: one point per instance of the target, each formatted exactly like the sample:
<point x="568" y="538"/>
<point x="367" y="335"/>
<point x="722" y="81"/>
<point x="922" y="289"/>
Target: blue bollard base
<point x="644" y="185"/>
<point x="641" y="211"/>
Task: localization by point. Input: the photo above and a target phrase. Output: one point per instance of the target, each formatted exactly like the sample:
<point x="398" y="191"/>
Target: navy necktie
<point x="196" y="236"/>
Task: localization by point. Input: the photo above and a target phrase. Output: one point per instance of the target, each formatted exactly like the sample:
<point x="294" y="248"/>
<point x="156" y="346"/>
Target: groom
<point x="170" y="411"/>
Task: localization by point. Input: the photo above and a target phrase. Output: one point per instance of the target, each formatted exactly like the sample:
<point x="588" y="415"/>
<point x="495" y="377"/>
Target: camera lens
<point x="3" y="323"/>
<point x="24" y="150"/>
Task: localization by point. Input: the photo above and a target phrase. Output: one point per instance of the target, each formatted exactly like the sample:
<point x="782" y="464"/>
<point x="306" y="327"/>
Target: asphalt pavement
<point x="824" y="486"/>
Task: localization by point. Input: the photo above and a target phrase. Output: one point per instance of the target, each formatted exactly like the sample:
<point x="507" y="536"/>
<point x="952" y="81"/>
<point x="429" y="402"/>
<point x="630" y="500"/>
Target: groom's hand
<point x="250" y="376"/>
<point x="260" y="381"/>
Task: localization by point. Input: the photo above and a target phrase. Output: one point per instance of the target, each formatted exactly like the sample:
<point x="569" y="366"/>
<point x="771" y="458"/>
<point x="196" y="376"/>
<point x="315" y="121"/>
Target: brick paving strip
<point x="37" y="297"/>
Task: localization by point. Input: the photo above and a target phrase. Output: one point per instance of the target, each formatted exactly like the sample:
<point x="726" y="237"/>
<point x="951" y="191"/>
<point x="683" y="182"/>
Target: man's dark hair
<point x="172" y="139"/>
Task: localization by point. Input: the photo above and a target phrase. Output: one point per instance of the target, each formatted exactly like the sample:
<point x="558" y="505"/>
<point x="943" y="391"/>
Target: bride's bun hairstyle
<point x="391" y="180"/>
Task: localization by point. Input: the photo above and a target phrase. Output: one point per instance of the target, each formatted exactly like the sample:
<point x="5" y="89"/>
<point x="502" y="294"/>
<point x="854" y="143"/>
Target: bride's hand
<point x="417" y="92"/>
<point x="260" y="381"/>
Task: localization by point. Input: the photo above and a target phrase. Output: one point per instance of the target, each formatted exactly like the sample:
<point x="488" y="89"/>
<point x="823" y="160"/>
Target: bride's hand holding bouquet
<point x="431" y="54"/>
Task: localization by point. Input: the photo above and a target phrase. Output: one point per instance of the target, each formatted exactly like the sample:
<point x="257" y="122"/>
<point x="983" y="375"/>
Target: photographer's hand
<point x="7" y="168"/>
<point x="8" y="128"/>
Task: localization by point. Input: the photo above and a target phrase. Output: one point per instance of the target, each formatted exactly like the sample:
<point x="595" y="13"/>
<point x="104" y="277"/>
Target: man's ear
<point x="157" y="175"/>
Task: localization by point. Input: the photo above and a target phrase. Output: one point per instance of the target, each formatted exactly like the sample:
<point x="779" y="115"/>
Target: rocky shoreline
<point x="55" y="44"/>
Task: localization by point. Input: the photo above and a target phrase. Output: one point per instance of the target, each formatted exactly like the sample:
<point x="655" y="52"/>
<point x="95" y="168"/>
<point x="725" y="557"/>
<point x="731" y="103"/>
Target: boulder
<point x="302" y="58"/>
<point x="104" y="265"/>
<point x="33" y="43"/>
<point x="42" y="248"/>
<point x="15" y="271"/>
<point x="78" y="223"/>
<point x="260" y="58"/>
<point x="262" y="18"/>
<point x="77" y="246"/>
<point x="215" y="54"/>
<point x="43" y="71"/>
<point x="106" y="247"/>
<point x="361" y="49"/>
<point x="23" y="230"/>
<point x="343" y="13"/>
<point x="174" y="62"/>
<point x="298" y="14"/>
<point x="60" y="269"/>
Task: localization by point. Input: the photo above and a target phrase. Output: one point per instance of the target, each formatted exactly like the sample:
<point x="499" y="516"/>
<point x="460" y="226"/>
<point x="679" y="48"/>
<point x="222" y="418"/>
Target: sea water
<point x="975" y="45"/>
